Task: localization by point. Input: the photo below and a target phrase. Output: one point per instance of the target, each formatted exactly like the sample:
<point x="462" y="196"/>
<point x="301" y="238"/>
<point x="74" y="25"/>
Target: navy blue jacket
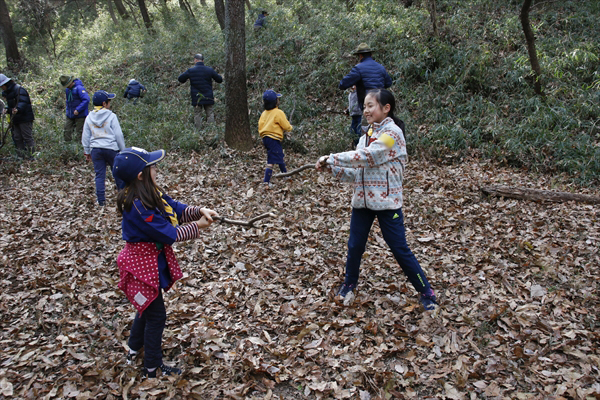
<point x="134" y="89"/>
<point x="367" y="74"/>
<point x="201" y="78"/>
<point x="17" y="97"/>
<point x="77" y="99"/>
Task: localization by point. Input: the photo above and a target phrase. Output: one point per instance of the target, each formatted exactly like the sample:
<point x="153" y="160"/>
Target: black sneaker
<point x="428" y="300"/>
<point x="345" y="289"/>
<point x="165" y="369"/>
<point x="131" y="357"/>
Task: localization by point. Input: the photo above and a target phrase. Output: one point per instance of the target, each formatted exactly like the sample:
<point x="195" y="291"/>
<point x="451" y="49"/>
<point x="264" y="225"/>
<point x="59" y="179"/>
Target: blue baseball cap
<point x="101" y="96"/>
<point x="270" y="95"/>
<point x="131" y="161"/>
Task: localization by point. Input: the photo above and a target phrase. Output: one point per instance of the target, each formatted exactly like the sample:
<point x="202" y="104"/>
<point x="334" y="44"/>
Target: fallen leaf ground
<point x="254" y="316"/>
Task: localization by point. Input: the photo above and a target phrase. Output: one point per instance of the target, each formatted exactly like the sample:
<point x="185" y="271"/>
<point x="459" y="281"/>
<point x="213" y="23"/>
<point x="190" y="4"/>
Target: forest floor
<point x="254" y="316"/>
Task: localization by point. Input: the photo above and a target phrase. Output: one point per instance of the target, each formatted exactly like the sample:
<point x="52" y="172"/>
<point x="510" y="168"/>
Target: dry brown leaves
<point x="254" y="316"/>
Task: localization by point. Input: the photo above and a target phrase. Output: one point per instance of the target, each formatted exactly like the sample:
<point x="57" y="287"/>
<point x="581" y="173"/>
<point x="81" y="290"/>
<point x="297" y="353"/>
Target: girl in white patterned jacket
<point x="376" y="169"/>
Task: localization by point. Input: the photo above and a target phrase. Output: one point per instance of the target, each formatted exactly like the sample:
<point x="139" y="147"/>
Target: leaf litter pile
<point x="254" y="316"/>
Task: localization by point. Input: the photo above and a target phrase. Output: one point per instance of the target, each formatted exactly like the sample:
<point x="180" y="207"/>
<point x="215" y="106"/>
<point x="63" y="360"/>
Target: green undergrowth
<point x="467" y="92"/>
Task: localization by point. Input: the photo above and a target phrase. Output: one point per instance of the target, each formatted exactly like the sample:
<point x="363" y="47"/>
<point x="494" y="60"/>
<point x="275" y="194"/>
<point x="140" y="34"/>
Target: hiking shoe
<point x="131" y="357"/>
<point x="428" y="300"/>
<point x="345" y="289"/>
<point x="165" y="369"/>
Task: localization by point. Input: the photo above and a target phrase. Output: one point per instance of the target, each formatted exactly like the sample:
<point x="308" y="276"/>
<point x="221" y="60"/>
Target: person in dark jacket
<point x="366" y="75"/>
<point x="78" y="101"/>
<point x="201" y="89"/>
<point x="134" y="90"/>
<point x="18" y="106"/>
<point x="261" y="21"/>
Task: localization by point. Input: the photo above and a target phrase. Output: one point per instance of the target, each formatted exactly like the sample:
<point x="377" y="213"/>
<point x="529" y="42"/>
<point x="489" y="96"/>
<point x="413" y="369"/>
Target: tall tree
<point x="121" y="9"/>
<point x="220" y="11"/>
<point x="433" y="16"/>
<point x="248" y="5"/>
<point x="185" y="6"/>
<point x="145" y="15"/>
<point x="530" y="38"/>
<point x="8" y="36"/>
<point x="237" y="123"/>
<point x="111" y="11"/>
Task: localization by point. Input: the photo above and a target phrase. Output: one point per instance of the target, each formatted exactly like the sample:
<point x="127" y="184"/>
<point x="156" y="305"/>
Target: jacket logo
<point x="150" y="218"/>
<point x="395" y="216"/>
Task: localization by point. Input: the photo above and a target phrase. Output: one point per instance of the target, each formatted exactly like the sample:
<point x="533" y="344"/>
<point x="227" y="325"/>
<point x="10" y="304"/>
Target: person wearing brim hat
<point x="151" y="224"/>
<point x="102" y="140"/>
<point x="78" y="101"/>
<point x="18" y="107"/>
<point x="367" y="74"/>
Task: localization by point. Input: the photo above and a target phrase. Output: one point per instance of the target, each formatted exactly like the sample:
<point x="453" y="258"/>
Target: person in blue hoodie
<point x="134" y="90"/>
<point x="102" y="140"/>
<point x="78" y="101"/>
<point x="366" y="75"/>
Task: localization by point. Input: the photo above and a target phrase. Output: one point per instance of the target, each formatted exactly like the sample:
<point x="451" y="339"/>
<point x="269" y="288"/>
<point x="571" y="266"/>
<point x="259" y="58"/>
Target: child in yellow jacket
<point x="271" y="125"/>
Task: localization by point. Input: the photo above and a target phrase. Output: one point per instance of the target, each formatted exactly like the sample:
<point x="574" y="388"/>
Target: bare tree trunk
<point x="145" y="16"/>
<point x="8" y="36"/>
<point x="237" y="123"/>
<point x="248" y="5"/>
<point x="433" y="15"/>
<point x="530" y="38"/>
<point x="185" y="6"/>
<point x="220" y="11"/>
<point x="121" y="9"/>
<point x="111" y="11"/>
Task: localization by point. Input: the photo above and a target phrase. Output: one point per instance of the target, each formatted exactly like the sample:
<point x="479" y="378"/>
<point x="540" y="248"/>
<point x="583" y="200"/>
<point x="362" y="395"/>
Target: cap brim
<point x="156" y="156"/>
<point x="111" y="95"/>
<point x="278" y="94"/>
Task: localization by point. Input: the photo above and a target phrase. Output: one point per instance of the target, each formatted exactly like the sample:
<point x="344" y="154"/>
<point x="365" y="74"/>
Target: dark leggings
<point x="147" y="331"/>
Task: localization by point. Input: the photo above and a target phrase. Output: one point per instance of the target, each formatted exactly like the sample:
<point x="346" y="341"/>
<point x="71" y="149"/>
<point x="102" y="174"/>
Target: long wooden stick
<point x="249" y="223"/>
<point x="538" y="195"/>
<point x="294" y="171"/>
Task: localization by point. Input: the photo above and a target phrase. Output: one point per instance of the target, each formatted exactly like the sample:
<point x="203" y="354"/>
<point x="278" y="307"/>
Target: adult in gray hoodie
<point x="102" y="140"/>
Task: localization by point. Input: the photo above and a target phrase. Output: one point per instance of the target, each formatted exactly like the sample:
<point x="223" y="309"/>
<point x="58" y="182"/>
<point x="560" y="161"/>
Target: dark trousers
<point x="101" y="158"/>
<point x="147" y="331"/>
<point x="391" y="223"/>
<point x="22" y="135"/>
<point x="73" y="125"/>
<point x="355" y="128"/>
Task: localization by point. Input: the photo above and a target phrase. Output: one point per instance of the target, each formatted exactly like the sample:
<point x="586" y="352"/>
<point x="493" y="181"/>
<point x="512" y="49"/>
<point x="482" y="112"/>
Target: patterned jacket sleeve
<point x="389" y="146"/>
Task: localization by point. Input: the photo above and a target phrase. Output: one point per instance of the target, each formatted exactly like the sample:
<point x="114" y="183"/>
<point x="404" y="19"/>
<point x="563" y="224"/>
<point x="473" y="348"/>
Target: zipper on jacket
<point x="387" y="178"/>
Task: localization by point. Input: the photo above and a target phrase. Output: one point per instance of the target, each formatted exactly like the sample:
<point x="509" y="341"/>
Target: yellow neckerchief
<point x="98" y="108"/>
<point x="169" y="211"/>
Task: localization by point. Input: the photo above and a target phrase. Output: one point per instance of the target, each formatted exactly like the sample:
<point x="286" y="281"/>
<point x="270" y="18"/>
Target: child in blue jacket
<point x="147" y="264"/>
<point x="134" y="90"/>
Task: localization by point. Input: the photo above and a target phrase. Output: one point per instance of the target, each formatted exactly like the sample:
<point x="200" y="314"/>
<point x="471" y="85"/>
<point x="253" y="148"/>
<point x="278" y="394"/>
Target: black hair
<point x="383" y="97"/>
<point x="366" y="54"/>
<point x="144" y="189"/>
<point x="269" y="105"/>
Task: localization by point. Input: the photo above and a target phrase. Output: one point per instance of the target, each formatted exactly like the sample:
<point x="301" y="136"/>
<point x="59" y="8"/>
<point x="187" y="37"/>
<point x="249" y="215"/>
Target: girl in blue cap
<point x="147" y="264"/>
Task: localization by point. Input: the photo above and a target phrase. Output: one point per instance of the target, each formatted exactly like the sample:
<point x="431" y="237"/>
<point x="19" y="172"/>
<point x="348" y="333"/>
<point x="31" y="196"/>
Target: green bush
<point x="468" y="91"/>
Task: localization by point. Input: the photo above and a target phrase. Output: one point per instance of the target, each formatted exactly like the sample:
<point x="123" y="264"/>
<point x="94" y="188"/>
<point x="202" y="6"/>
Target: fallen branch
<point x="244" y="223"/>
<point x="538" y="195"/>
<point x="294" y="171"/>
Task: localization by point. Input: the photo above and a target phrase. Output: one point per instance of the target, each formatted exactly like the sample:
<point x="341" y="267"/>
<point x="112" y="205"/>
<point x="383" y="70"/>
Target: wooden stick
<point x="538" y="195"/>
<point x="294" y="171"/>
<point x="245" y="223"/>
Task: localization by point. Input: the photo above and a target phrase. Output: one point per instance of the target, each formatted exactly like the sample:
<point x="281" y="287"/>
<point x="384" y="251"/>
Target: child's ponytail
<point x="383" y="97"/>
